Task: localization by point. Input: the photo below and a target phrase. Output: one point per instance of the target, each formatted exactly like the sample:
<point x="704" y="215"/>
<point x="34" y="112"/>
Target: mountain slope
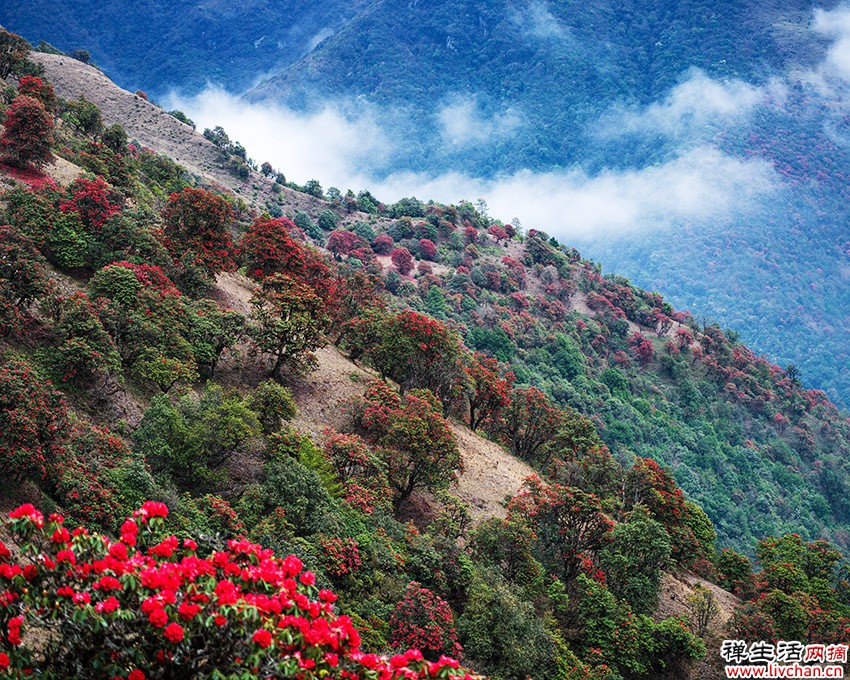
<point x="148" y="124"/>
<point x="720" y="442"/>
<point x="121" y="289"/>
<point x="491" y="88"/>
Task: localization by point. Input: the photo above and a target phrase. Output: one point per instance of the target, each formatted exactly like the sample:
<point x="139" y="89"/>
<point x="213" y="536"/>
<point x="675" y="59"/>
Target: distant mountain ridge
<point x="536" y="84"/>
<point x="158" y="46"/>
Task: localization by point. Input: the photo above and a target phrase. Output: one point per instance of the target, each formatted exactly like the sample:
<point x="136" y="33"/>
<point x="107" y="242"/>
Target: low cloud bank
<point x="350" y="150"/>
<point x="331" y="145"/>
<point x="835" y="24"/>
<point x="699" y="186"/>
<point x="694" y="108"/>
<point x="463" y="124"/>
<point x="357" y="146"/>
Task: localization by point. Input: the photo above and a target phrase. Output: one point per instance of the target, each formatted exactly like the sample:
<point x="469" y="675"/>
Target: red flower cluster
<point x="94" y="201"/>
<point x="425" y="621"/>
<point x="240" y="610"/>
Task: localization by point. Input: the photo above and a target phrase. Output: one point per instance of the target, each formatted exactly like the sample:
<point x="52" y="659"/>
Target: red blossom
<point x="262" y="637"/>
<point x="153" y="509"/>
<point x="14" y="635"/>
<point x="158" y="618"/>
<point x="174" y="632"/>
<point x="267" y="600"/>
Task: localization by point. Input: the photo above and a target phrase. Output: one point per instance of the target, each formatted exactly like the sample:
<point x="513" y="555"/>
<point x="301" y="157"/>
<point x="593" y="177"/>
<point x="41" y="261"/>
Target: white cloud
<point x="535" y="19"/>
<point x="835" y="24"/>
<point x="691" y="108"/>
<point x="318" y="38"/>
<point x="330" y="145"/>
<point x="463" y="124"/>
<point x="347" y="151"/>
<point x="701" y="186"/>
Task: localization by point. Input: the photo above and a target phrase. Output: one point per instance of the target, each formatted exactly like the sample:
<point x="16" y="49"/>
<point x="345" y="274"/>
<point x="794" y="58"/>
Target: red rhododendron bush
<point x="77" y="604"/>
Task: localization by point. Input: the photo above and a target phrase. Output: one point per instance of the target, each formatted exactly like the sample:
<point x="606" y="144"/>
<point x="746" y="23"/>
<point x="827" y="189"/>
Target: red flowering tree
<point x="342" y="242"/>
<point x="151" y="605"/>
<point x="648" y="484"/>
<point x="423" y="450"/>
<point x="87" y="487"/>
<point x="340" y="557"/>
<point x="735" y="573"/>
<point x="199" y="221"/>
<point x="424" y="621"/>
<point x="320" y="275"/>
<point x="684" y="338"/>
<point x="94" y="201"/>
<point x="507" y="542"/>
<point x="427" y="249"/>
<point x="287" y="321"/>
<point x="27" y="133"/>
<point x="363" y="334"/>
<point x="642" y="348"/>
<point x="568" y="523"/>
<point x="663" y="323"/>
<point x="416" y="350"/>
<point x="362" y="473"/>
<point x="383" y="244"/>
<point x="22" y="278"/>
<point x="750" y="622"/>
<point x="357" y="294"/>
<point x="790" y="564"/>
<point x="33" y="424"/>
<point x="515" y="273"/>
<point x="35" y="87"/>
<point x="497" y="233"/>
<point x="528" y="423"/>
<point x="487" y="391"/>
<point x="418" y="446"/>
<point x="402" y="260"/>
<point x="268" y="248"/>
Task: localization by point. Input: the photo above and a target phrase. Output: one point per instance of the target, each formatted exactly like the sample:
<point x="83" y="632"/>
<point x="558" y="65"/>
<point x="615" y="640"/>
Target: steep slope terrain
<point x="486" y="89"/>
<point x="152" y="127"/>
<point x="491" y="474"/>
<point x="485" y="446"/>
<point x="719" y="442"/>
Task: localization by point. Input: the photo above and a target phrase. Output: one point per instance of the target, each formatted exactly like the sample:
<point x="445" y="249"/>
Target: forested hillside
<point x="186" y="376"/>
<point x="487" y="89"/>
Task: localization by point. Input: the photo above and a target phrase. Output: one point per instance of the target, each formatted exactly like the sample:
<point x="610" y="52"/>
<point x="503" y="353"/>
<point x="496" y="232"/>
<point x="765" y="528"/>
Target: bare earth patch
<point x="234" y="291"/>
<point x="64" y="172"/>
<point x="672" y="601"/>
<point x="323" y="395"/>
<point x="490" y="474"/>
